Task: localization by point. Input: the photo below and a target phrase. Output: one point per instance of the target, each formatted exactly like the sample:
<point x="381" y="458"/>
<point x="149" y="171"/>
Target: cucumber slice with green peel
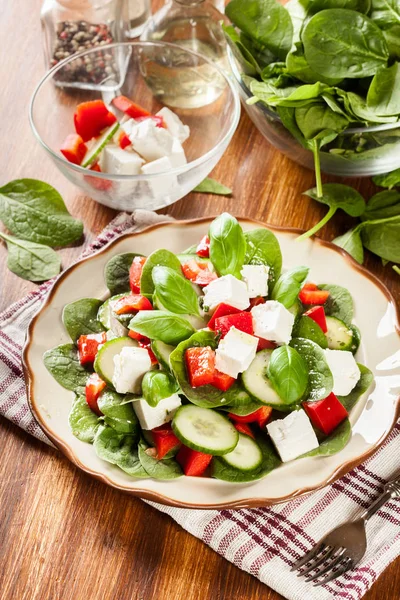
<point x="104" y="362"/>
<point x="247" y="455"/>
<point x="162" y="352"/>
<point x="93" y="153"/>
<point x="204" y="430"/>
<point x="103" y="314"/>
<point x="339" y="335"/>
<point x="256" y="382"/>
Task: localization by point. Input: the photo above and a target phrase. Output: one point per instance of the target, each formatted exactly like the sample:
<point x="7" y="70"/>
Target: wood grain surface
<point x="64" y="536"/>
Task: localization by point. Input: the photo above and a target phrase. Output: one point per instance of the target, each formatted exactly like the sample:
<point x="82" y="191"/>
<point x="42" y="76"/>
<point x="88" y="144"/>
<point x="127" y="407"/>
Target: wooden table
<point x="64" y="536"/>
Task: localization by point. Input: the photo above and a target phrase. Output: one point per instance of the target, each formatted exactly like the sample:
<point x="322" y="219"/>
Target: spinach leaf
<point x="362" y="6"/>
<point x="236" y="408"/>
<point x="383" y="205"/>
<point x="317" y="120"/>
<point x="384" y="92"/>
<point x="83" y="421"/>
<point x="227" y="245"/>
<point x="120" y="425"/>
<point x="382" y="237"/>
<point x="344" y="43"/>
<point x="158" y="258"/>
<point x="158" y="385"/>
<point x="243" y="56"/>
<point x="116" y="272"/>
<point x="356" y="338"/>
<point x="221" y="470"/>
<point x="320" y="382"/>
<point x="291" y="97"/>
<point x="352" y="243"/>
<point x="288" y="286"/>
<point x="161" y="325"/>
<point x="310" y="330"/>
<point x="210" y="186"/>
<point x="288" y="373"/>
<point x="358" y="110"/>
<point x="63" y="363"/>
<point x="288" y="118"/>
<point x="158" y="469"/>
<point x="388" y="180"/>
<point x="34" y="211"/>
<point x="339" y="304"/>
<point x="118" y="449"/>
<point x="392" y="37"/>
<point x="333" y="443"/>
<point x="265" y="21"/>
<point x="363" y="385"/>
<point x="31" y="261"/>
<point x="262" y="248"/>
<point x="386" y="13"/>
<point x="175" y="292"/>
<point x="80" y="317"/>
<point x="298" y="67"/>
<point x="129" y="462"/>
<point x="118" y="411"/>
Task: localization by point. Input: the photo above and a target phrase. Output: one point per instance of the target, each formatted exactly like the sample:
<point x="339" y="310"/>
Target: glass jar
<point x="139" y="14"/>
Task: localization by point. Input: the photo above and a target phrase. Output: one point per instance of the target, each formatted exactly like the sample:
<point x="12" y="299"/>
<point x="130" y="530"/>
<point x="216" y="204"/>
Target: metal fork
<point x="343" y="547"/>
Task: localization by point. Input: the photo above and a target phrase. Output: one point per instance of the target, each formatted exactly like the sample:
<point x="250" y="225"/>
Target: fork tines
<point x="323" y="560"/>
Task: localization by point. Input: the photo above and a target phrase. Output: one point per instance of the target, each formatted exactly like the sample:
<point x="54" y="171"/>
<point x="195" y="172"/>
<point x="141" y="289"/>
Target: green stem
<point x="319" y="225"/>
<point x="317" y="167"/>
<point x="397" y="269"/>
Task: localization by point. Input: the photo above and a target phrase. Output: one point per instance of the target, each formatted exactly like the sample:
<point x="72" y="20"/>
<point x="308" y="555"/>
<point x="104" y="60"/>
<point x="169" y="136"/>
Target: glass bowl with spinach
<point x="321" y="80"/>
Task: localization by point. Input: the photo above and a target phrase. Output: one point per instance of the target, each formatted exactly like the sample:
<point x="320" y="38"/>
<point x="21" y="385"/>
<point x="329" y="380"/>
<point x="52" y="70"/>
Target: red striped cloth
<point x="262" y="541"/>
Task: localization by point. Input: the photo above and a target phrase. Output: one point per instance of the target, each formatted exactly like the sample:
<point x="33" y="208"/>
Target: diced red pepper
<point x="265" y="344"/>
<point x="164" y="440"/>
<point x="203" y="249"/>
<point x="256" y="302"/>
<point x="74" y="148"/>
<point x="159" y="121"/>
<point x="244" y="428"/>
<point x="198" y="272"/>
<point x="242" y="321"/>
<point x="88" y="346"/>
<point x="139" y="337"/>
<point x="200" y="365"/>
<point x="317" y="314"/>
<point x="91" y="118"/>
<point x="152" y="356"/>
<point x="222" y="381"/>
<point x="192" y="462"/>
<point x="98" y="184"/>
<point x="128" y="107"/>
<point x="326" y="414"/>
<point x="133" y="303"/>
<point x="94" y="386"/>
<point x="259" y="416"/>
<point x="123" y="140"/>
<point x="135" y="273"/>
<point x="310" y="294"/>
<point x="221" y="311"/>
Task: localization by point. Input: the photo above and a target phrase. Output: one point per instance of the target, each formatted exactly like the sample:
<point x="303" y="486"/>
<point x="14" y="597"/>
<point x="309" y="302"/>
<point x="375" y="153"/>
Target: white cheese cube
<point x="235" y="353"/>
<point x="117" y="161"/>
<point x="174" y="124"/>
<point x="154" y="416"/>
<point x="272" y="321"/>
<point x="226" y="289"/>
<point x="177" y="156"/>
<point x="165" y="184"/>
<point x="256" y="279"/>
<point x="293" y="435"/>
<point x="128" y="125"/>
<point x="344" y="369"/>
<point x="150" y="141"/>
<point x="130" y="365"/>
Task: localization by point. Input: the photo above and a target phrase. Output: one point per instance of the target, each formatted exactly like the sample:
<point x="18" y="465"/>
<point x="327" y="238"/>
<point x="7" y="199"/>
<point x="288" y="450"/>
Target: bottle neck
<point x="189" y="2"/>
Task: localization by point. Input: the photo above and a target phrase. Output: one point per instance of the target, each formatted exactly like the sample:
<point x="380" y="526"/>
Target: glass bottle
<point x="139" y="14"/>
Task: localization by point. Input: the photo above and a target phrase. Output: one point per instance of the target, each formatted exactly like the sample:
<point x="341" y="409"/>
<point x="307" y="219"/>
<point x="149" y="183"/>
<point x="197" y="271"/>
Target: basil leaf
<point x="382" y="238"/>
<point x="119" y="413"/>
<point x="383" y="205"/>
<point x="363" y="385"/>
<point x="63" y="363"/>
<point x="116" y="272"/>
<point x="158" y="385"/>
<point x="352" y="243"/>
<point x="388" y="180"/>
<point x="384" y="92"/>
<point x="339" y="304"/>
<point x="320" y="383"/>
<point x="118" y="449"/>
<point x="80" y="317"/>
<point x="333" y="443"/>
<point x="34" y="211"/>
<point x="161" y="325"/>
<point x="158" y="258"/>
<point x="262" y="248"/>
<point x="288" y="373"/>
<point x="288" y="286"/>
<point x="175" y="292"/>
<point x="306" y="328"/>
<point x="31" y="261"/>
<point x="242" y="410"/>
<point x="83" y="421"/>
<point x="227" y="245"/>
<point x="158" y="469"/>
<point x="210" y="186"/>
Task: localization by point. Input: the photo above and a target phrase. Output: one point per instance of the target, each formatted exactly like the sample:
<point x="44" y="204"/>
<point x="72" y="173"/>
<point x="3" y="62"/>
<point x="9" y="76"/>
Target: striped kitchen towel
<point x="262" y="541"/>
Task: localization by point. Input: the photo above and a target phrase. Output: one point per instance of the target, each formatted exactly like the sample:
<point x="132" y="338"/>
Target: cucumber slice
<point x="185" y="258"/>
<point x="93" y="153"/>
<point x="103" y="314"/>
<point x="162" y="352"/>
<point x="256" y="381"/>
<point x="104" y="362"/>
<point x="296" y="309"/>
<point x="339" y="335"/>
<point x="204" y="430"/>
<point x="247" y="455"/>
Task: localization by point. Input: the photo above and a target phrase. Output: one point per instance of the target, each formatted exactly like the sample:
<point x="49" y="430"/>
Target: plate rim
<point x="163" y="498"/>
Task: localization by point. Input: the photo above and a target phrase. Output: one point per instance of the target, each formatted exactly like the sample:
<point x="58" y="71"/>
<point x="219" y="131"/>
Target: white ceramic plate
<point x="372" y="419"/>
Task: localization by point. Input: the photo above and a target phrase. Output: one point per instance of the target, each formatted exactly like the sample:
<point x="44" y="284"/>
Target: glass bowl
<point x="152" y="74"/>
<point x="343" y="156"/>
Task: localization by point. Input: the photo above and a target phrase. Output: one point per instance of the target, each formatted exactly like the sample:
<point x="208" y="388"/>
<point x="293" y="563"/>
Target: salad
<point x="215" y="362"/>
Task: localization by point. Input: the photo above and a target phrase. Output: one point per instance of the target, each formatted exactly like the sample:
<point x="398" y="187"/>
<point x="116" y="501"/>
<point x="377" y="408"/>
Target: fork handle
<point x="390" y="490"/>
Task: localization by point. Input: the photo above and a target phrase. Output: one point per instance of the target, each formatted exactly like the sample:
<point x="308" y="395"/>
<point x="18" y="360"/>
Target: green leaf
<point x="158" y="469"/>
<point x="386" y="13"/>
<point x="352" y="243"/>
<point x="119" y="449"/>
<point x="161" y="325"/>
<point x="384" y="92"/>
<point x="211" y="186"/>
<point x="382" y="237"/>
<point x="309" y="329"/>
<point x="339" y="304"/>
<point x="288" y="286"/>
<point x="363" y="385"/>
<point x="80" y="317"/>
<point x="288" y="373"/>
<point x="116" y="272"/>
<point x="118" y="410"/>
<point x="227" y="245"/>
<point x="159" y="258"/>
<point x="33" y="210"/>
<point x="333" y="443"/>
<point x="362" y="6"/>
<point x="299" y="68"/>
<point x="243" y="409"/>
<point x="246" y="60"/>
<point x="83" y="421"/>
<point x="318" y="120"/>
<point x="158" y="385"/>
<point x="392" y="37"/>
<point x="388" y="180"/>
<point x="63" y="363"/>
<point x="358" y="110"/>
<point x="262" y="248"/>
<point x="31" y="261"/>
<point x="320" y="383"/>
<point x="175" y="293"/>
<point x="383" y="205"/>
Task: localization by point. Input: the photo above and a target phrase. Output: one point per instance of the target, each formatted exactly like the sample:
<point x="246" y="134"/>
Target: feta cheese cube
<point x="344" y="369"/>
<point x="226" y="289"/>
<point x="154" y="416"/>
<point x="177" y="156"/>
<point x="256" y="279"/>
<point x="157" y="166"/>
<point x="120" y="162"/>
<point x="293" y="435"/>
<point x="174" y="124"/>
<point x="128" y="125"/>
<point x="235" y="352"/>
<point x="165" y="184"/>
<point x="150" y="141"/>
<point x="130" y="365"/>
<point x="272" y="321"/>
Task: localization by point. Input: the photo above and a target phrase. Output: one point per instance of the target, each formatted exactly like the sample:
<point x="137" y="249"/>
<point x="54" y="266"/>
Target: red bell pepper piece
<point x="128" y="107"/>
<point x="203" y="249"/>
<point x="88" y="346"/>
<point x="259" y="416"/>
<point x="99" y="184"/>
<point x="256" y="302"/>
<point x="133" y="303"/>
<point x="74" y="148"/>
<point x="192" y="462"/>
<point x="159" y="121"/>
<point x="94" y="386"/>
<point x="242" y="321"/>
<point x="265" y="344"/>
<point x="317" y="314"/>
<point x="326" y="414"/>
<point x="164" y="440"/>
<point x="91" y="118"/>
<point x="200" y="365"/>
<point x="198" y="272"/>
<point x="139" y="337"/>
<point x="245" y="428"/>
<point x="310" y="294"/>
<point x="123" y="140"/>
<point x="221" y="311"/>
<point x="135" y="273"/>
<point x="222" y="381"/>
